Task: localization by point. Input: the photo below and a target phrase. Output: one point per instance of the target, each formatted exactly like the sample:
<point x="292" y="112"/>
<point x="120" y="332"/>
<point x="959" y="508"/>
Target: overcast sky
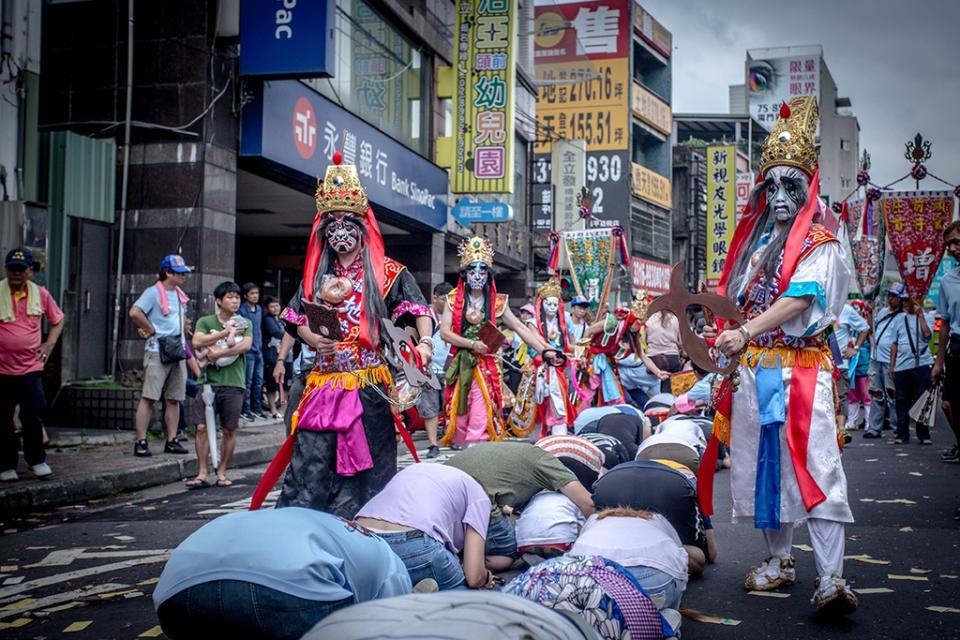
<point x="897" y="60"/>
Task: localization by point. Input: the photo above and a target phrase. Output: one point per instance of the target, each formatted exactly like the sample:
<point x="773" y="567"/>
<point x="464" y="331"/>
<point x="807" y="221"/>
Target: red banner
<point x="915" y="222"/>
<point x="866" y="233"/>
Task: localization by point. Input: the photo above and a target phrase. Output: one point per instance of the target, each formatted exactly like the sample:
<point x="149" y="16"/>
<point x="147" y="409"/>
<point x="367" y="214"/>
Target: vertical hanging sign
<point x="721" y="208"/>
<point x="483" y="108"/>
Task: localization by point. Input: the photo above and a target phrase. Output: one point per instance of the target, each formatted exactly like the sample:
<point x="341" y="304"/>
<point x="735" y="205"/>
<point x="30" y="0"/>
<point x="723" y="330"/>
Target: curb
<point x="53" y="493"/>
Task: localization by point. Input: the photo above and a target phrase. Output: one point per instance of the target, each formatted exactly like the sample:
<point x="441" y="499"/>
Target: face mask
<point x="343" y="236"/>
<point x="477" y="276"/>
<point x="550" y="307"/>
<point x="785" y="191"/>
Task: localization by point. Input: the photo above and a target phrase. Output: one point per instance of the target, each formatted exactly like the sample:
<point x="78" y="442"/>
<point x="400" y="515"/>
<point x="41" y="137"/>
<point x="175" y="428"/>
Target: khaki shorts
<point x="227" y="403"/>
<point x="167" y="380"/>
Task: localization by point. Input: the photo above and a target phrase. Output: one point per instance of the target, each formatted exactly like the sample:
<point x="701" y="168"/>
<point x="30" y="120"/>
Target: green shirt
<point x="512" y="472"/>
<point x="232" y="375"/>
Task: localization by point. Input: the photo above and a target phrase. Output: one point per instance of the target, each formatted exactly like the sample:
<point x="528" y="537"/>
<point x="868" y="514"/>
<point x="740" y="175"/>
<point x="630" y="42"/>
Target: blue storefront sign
<point x="296" y="130"/>
<point x="287" y="38"/>
<point x="466" y="212"/>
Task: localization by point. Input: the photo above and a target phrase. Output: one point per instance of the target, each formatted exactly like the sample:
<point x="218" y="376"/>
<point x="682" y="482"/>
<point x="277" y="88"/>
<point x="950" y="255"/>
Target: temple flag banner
<point x="915" y="222"/>
<point x="866" y="232"/>
<point x="590" y="255"/>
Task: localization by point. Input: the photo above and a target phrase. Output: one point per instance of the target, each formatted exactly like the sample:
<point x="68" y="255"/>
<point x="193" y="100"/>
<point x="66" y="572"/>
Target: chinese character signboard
<point x="773" y="81"/>
<point x="483" y="103"/>
<point x="721" y="208"/>
<point x="867" y="234"/>
<point x="650" y="185"/>
<point x="296" y="130"/>
<point x="649" y="275"/>
<point x="569" y="162"/>
<point x="744" y="187"/>
<point x="652" y="110"/>
<point x="915" y="222"/>
<point x="654" y="33"/>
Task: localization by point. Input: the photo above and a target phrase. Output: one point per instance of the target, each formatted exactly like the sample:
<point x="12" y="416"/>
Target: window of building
<point x="650" y="233"/>
<point x="521" y="170"/>
<point x="381" y="76"/>
<point x="844" y="144"/>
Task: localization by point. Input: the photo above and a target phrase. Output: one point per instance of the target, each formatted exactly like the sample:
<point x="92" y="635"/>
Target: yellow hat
<point x="476" y="249"/>
<point x="793" y="140"/>
<point x="340" y="189"/>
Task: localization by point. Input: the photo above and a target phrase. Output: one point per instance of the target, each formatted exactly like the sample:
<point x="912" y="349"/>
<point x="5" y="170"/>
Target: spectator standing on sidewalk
<point x="273" y="332"/>
<point x="159" y="316"/>
<point x="23" y="306"/>
<point x="253" y="391"/>
<point x="911" y="362"/>
<point x="851" y="331"/>
<point x="219" y="341"/>
<point x="663" y="344"/>
<point x="883" y="336"/>
<point x="947" y="366"/>
<point x="430" y="404"/>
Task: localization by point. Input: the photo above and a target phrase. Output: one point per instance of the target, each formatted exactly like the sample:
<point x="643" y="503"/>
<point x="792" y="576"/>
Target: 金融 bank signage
<point x="287" y="39"/>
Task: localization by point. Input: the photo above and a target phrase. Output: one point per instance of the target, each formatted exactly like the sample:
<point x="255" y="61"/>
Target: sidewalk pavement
<point x="92" y="463"/>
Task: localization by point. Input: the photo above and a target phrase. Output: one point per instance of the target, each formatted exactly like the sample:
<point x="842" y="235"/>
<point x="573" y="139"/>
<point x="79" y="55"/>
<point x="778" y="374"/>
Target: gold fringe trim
<point x="347" y="380"/>
<point x="721" y="429"/>
<point x="453" y="417"/>
<point x="772" y="357"/>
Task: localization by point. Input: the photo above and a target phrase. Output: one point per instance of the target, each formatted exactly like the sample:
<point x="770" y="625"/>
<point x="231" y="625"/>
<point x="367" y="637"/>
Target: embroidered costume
<point x="342" y="448"/>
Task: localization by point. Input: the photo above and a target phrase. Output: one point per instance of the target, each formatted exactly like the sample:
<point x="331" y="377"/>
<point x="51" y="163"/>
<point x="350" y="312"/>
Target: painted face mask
<point x="477" y="276"/>
<point x="343" y="236"/>
<point x="786" y="190"/>
<point x="550" y="307"/>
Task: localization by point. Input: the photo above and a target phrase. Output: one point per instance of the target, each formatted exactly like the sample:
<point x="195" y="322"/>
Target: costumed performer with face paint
<point x="790" y="277"/>
<point x="342" y="450"/>
<point x="474" y="390"/>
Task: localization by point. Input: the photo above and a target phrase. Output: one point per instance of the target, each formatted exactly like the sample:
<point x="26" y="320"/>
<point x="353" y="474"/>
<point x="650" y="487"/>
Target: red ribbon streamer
<point x="803" y="384"/>
<point x="273" y="473"/>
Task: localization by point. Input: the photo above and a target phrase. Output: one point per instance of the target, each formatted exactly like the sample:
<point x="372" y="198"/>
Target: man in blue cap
<point x="882" y="386"/>
<point x="577" y="323"/>
<point x="23" y="306"/>
<point x="158" y="314"/>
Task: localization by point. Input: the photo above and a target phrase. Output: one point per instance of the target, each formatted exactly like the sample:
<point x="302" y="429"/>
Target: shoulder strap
<point x="886" y="324"/>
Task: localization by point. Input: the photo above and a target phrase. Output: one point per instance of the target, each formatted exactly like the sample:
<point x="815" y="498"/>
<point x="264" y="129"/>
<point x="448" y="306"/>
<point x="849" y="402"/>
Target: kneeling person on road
<point x="220" y="342"/>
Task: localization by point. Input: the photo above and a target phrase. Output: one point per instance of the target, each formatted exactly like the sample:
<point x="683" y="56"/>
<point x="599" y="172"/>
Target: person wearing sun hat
<point x="23" y="355"/>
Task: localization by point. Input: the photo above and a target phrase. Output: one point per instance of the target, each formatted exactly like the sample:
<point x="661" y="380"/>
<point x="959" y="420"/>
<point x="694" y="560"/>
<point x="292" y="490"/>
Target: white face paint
<point x="785" y="188"/>
<point x="343" y="236"/>
<point x="477" y="276"/>
<point x="550" y="307"/>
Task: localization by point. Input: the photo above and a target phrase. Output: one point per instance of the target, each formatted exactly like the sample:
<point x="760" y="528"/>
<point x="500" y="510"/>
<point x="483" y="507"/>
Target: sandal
<point x="223" y="482"/>
<point x="197" y="483"/>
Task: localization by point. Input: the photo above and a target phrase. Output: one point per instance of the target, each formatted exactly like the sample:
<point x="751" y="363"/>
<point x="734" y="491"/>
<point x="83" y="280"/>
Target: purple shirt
<point x="436" y="499"/>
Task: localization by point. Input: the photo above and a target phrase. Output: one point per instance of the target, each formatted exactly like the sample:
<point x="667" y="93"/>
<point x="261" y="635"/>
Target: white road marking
<point x="63" y="557"/>
<point x="7" y="592"/>
<point x="57" y="598"/>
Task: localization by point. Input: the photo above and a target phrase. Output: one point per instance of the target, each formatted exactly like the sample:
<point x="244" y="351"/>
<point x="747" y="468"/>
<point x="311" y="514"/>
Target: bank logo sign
<point x="287" y="38"/>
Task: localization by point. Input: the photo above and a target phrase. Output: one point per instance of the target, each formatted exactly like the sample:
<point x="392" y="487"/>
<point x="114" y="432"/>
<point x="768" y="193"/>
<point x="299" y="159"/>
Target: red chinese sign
<point x="649" y="275"/>
<point x="915" y="222"/>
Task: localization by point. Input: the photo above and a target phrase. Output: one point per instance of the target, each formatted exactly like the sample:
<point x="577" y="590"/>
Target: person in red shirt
<point x="23" y="354"/>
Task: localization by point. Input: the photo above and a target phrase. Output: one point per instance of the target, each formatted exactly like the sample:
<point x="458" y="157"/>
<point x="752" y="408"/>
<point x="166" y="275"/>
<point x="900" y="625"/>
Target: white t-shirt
<point x="679" y="431"/>
<point x="634" y="542"/>
<point x="549" y="518"/>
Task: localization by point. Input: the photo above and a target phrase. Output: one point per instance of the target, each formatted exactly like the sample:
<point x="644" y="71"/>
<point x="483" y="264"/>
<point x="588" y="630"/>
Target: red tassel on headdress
<point x="799" y="231"/>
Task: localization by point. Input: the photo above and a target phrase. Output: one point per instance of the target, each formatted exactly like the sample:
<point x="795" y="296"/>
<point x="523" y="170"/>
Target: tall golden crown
<point x="551" y="289"/>
<point x="793" y="140"/>
<point x="340" y="189"/>
<point x="476" y="249"/>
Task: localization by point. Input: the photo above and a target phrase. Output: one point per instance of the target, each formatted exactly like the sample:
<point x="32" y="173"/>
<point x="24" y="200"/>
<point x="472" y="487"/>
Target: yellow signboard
<point x="483" y="102"/>
<point x="650" y="186"/>
<point x="721" y="208"/>
<point x="584" y="100"/>
<point x="652" y="110"/>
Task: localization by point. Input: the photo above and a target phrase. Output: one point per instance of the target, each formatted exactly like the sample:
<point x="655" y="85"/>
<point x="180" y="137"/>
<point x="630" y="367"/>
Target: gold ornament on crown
<point x="475" y="249"/>
<point x="551" y="289"/>
<point x="340" y="190"/>
<point x="793" y="141"/>
<point x="639" y="306"/>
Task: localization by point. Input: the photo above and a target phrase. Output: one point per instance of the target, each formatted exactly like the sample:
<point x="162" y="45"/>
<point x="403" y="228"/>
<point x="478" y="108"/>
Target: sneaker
<point x="456" y="447"/>
<point x="772" y="573"/>
<point x="10" y="475"/>
<point x="247" y="417"/>
<point x="847" y="438"/>
<point x="951" y="455"/>
<point x="900" y="441"/>
<point x="833" y="597"/>
<point x="174" y="447"/>
<point x="427" y="585"/>
<point x="42" y="470"/>
<point x="141" y="449"/>
<point x="926" y="441"/>
<point x="263" y="415"/>
<point x="433" y="451"/>
<point x="871" y="435"/>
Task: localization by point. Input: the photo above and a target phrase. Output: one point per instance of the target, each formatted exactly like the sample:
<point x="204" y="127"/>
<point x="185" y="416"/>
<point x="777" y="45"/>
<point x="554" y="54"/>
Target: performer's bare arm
<point x="425" y="330"/>
<point x="528" y="335"/>
<point x="453" y="338"/>
<point x="733" y="341"/>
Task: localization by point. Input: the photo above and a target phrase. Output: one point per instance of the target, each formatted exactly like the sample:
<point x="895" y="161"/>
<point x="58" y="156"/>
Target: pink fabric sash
<point x="164" y="303"/>
<point x="339" y="410"/>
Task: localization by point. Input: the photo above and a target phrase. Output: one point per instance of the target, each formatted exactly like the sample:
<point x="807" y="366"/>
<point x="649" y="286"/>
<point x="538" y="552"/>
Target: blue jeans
<point x="502" y="539"/>
<point x="426" y="557"/>
<point x="887" y="401"/>
<point x="664" y="590"/>
<point x="236" y="609"/>
<point x="253" y="393"/>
